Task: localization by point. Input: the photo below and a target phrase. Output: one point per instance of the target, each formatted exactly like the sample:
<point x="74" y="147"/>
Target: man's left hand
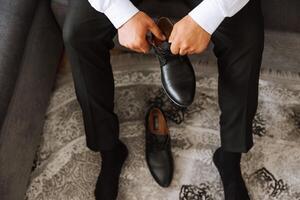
<point x="188" y="37"/>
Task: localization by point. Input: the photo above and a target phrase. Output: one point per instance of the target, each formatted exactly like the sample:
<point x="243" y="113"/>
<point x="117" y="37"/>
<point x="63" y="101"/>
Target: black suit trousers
<point x="238" y="45"/>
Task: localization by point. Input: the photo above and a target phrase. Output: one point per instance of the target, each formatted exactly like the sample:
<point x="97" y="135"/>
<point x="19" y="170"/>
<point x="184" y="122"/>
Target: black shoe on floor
<point x="228" y="165"/>
<point x="108" y="181"/>
<point x="158" y="147"/>
<point x="177" y="74"/>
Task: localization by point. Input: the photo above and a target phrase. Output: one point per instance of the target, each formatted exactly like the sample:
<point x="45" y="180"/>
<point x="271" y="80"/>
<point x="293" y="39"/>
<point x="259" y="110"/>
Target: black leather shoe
<point x="177" y="73"/>
<point x="158" y="147"/>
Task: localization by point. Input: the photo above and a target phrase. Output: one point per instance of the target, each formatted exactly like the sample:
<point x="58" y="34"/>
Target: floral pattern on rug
<point x="67" y="170"/>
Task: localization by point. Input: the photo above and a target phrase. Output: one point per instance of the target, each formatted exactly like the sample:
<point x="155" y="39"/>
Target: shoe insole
<point x="157" y="123"/>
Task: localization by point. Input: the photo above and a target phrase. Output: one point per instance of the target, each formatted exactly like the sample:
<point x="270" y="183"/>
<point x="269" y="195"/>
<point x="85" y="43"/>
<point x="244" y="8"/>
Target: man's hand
<point x="132" y="34"/>
<point x="188" y="37"/>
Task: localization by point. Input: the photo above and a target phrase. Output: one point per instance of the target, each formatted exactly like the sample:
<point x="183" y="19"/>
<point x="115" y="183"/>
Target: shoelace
<point x="171" y="111"/>
<point x="175" y="115"/>
<point x="164" y="53"/>
<point x="158" y="142"/>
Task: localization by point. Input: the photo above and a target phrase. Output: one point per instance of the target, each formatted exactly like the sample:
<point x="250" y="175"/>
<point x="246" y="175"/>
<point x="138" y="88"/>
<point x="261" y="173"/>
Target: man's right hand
<point x="132" y="34"/>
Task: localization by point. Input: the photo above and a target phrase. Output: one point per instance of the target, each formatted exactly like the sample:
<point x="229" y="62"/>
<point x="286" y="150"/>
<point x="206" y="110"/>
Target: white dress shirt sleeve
<point x="117" y="11"/>
<point x="210" y="13"/>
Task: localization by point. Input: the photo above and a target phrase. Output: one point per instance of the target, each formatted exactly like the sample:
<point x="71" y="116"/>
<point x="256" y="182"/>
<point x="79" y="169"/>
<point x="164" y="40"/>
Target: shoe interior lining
<point x="157" y="122"/>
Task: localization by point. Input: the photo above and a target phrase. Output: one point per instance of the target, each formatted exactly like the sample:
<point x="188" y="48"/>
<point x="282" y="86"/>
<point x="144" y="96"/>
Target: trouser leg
<point x="88" y="36"/>
<point x="238" y="46"/>
<point x="239" y="43"/>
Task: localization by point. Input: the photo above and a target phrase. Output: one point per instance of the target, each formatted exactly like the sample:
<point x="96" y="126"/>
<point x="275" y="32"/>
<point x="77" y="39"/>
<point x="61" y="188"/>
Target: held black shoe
<point x="177" y="73"/>
<point x="158" y="147"/>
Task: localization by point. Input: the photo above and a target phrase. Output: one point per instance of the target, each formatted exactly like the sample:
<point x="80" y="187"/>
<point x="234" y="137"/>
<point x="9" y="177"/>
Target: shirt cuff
<point x="120" y="12"/>
<point x="208" y="15"/>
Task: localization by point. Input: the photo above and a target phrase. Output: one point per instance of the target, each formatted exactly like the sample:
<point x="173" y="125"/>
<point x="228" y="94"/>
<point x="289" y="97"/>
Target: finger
<point x="174" y="48"/>
<point x="145" y="47"/>
<point x="137" y="50"/>
<point x="199" y="50"/>
<point x="156" y="31"/>
<point x="171" y="37"/>
<point x="182" y="52"/>
<point x="189" y="52"/>
<point x="145" y="50"/>
<point x="132" y="47"/>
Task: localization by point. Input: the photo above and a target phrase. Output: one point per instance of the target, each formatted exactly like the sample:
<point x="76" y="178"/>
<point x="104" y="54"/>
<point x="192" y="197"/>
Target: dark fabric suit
<point x="238" y="45"/>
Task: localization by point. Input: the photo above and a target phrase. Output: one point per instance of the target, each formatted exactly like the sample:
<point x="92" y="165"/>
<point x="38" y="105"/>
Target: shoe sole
<point x="176" y="103"/>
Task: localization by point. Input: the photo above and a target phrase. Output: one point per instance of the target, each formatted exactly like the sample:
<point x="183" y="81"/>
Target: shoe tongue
<point x="166" y="27"/>
<point x="159" y="140"/>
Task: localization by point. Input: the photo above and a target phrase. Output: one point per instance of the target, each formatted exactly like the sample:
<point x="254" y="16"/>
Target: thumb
<point x="156" y="31"/>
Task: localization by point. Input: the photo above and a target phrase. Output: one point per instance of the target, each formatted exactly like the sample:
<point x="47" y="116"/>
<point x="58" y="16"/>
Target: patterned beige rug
<point x="67" y="170"/>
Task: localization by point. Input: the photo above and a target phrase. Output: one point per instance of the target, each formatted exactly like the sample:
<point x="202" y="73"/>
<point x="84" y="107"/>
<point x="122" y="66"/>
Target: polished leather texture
<point x="158" y="150"/>
<point x="177" y="75"/>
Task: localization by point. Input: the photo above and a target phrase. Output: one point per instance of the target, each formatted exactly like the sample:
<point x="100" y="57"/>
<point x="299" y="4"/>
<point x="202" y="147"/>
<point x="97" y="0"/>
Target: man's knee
<point x="83" y="36"/>
<point x="251" y="37"/>
<point x="241" y="62"/>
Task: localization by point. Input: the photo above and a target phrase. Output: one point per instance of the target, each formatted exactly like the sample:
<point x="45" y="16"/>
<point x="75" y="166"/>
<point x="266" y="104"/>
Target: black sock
<point x="228" y="165"/>
<point x="108" y="180"/>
